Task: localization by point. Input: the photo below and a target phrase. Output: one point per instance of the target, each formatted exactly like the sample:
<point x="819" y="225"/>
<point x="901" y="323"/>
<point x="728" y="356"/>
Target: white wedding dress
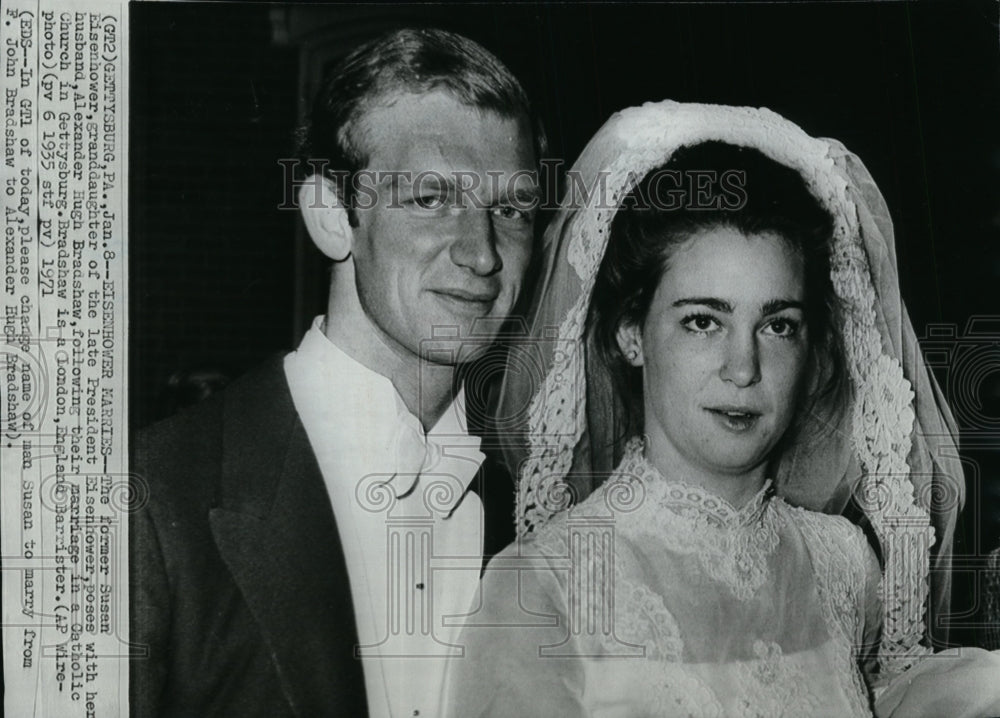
<point x="653" y="598"/>
<point x="765" y="610"/>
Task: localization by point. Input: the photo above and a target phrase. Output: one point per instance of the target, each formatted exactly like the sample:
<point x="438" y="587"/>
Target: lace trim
<point x="883" y="422"/>
<point x="644" y="620"/>
<point x="683" y="498"/>
<point x="678" y="691"/>
<point x="774" y="685"/>
<point x="768" y="684"/>
<point x="732" y="546"/>
<point x="883" y="416"/>
<point x="837" y="558"/>
<point x="555" y="427"/>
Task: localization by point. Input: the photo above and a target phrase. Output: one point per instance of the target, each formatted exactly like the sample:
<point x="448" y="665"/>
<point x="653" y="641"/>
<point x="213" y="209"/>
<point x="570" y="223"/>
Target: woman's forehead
<point x="741" y="269"/>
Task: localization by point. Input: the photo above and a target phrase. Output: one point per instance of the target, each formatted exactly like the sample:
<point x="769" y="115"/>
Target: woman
<point x="745" y="323"/>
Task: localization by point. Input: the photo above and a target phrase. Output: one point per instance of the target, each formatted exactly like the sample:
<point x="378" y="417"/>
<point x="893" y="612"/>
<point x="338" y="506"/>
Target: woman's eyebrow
<point x="777" y="305"/>
<point x="719" y="305"/>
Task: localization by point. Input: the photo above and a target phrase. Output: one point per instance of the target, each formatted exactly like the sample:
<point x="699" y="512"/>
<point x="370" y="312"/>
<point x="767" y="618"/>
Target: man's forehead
<point x="433" y="130"/>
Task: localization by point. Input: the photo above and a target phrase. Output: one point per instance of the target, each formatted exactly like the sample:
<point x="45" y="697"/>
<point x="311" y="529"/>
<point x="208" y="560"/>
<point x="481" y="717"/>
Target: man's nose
<point x="741" y="363"/>
<point x="475" y="246"/>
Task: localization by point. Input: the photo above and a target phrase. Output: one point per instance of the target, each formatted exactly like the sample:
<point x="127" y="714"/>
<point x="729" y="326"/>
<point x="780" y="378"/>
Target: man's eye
<point x="429" y="202"/>
<point x="700" y="323"/>
<point x="511" y="213"/>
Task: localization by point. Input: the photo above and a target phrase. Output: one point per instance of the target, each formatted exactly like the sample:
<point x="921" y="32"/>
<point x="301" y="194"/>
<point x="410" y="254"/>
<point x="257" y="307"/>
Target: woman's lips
<point x="735" y="418"/>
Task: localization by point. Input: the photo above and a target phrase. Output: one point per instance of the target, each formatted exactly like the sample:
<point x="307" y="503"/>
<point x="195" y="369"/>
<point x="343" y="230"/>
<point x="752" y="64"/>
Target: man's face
<point x="432" y="259"/>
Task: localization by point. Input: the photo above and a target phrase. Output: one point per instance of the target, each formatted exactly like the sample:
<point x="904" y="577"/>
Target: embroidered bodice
<point x="669" y="601"/>
<point x="731" y="546"/>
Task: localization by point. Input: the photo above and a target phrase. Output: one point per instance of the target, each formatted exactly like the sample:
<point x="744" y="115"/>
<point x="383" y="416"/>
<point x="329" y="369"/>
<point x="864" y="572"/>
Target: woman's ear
<point x="325" y="218"/>
<point x="629" y="338"/>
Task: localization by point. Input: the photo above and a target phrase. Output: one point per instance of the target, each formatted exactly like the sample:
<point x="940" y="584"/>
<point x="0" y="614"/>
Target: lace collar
<point x="731" y="546"/>
<point x="690" y="500"/>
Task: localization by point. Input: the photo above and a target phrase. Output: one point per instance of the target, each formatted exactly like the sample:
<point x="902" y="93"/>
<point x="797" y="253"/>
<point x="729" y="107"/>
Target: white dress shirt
<point x="412" y="533"/>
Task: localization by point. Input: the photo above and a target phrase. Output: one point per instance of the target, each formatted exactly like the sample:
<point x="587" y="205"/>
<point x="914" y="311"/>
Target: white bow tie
<point x="413" y="454"/>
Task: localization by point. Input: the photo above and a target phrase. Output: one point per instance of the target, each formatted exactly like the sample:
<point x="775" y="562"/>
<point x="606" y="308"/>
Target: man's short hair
<point x="408" y="61"/>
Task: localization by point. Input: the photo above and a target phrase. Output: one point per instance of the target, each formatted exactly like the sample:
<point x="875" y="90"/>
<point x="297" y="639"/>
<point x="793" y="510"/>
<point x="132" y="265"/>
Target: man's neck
<point x="426" y="388"/>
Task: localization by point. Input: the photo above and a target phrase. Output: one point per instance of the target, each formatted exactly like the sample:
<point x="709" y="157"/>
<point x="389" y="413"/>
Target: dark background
<point x="221" y="278"/>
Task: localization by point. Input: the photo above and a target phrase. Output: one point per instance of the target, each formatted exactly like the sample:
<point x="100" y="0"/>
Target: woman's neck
<point x="736" y="487"/>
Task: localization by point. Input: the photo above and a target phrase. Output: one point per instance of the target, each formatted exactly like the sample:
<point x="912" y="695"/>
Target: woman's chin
<point x="738" y="460"/>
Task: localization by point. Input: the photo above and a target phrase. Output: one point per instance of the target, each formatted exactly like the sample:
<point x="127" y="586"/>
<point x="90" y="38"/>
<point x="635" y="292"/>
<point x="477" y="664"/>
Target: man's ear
<point x="325" y="218"/>
<point x="629" y="338"/>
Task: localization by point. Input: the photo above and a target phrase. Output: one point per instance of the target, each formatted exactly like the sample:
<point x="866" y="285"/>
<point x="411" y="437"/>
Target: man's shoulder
<point x="185" y="452"/>
<point x="188" y="428"/>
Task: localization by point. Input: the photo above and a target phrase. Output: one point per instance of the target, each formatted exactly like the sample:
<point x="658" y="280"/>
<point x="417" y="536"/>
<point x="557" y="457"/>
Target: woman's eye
<point x="786" y="328"/>
<point x="701" y="323"/>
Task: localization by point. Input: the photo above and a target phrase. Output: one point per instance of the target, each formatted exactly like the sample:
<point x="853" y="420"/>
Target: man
<point x="309" y="530"/>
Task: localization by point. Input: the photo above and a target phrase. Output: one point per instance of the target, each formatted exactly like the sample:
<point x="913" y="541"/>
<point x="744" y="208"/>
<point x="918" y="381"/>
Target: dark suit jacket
<point x="239" y="588"/>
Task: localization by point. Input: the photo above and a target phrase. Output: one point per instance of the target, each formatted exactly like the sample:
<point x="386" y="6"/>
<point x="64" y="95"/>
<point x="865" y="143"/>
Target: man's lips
<point x="468" y="297"/>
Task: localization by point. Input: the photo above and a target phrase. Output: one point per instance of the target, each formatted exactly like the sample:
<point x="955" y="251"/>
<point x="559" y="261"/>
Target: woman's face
<point x="723" y="349"/>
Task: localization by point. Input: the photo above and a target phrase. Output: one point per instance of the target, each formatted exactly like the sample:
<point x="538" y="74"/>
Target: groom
<point x="307" y="531"/>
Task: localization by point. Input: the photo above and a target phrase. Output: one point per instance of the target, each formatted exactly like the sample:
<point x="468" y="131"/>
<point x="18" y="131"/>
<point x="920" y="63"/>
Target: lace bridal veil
<point x="890" y="458"/>
<point x="893" y="450"/>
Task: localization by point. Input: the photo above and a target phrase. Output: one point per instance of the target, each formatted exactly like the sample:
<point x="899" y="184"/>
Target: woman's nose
<point x="741" y="364"/>
<point x="475" y="247"/>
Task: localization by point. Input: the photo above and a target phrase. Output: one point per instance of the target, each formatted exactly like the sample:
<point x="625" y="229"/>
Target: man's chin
<point x="458" y="340"/>
<point x="455" y="351"/>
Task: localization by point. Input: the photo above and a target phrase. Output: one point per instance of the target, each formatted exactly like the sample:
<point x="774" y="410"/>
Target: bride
<point x="729" y="359"/>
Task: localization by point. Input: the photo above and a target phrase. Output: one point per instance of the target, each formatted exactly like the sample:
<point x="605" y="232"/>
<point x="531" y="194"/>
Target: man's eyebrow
<point x="388" y="179"/>
<point x="524" y="196"/>
<point x="419" y="181"/>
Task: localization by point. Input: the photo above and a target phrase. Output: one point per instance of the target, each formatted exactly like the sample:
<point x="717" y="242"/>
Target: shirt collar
<point x="385" y="430"/>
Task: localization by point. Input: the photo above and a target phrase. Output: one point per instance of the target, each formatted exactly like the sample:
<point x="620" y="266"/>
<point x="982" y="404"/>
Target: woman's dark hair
<point x="708" y="185"/>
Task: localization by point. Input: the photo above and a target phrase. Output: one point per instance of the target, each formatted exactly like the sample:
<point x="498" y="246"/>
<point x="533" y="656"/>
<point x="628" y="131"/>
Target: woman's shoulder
<point x="833" y="525"/>
<point x="545" y="542"/>
<point x="604" y="519"/>
<point x="830" y="537"/>
<point x="826" y="532"/>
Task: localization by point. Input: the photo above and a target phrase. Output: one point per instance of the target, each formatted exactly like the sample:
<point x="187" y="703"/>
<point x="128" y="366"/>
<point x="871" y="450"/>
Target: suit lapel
<point x="494" y="483"/>
<point x="496" y="489"/>
<point x="275" y="530"/>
